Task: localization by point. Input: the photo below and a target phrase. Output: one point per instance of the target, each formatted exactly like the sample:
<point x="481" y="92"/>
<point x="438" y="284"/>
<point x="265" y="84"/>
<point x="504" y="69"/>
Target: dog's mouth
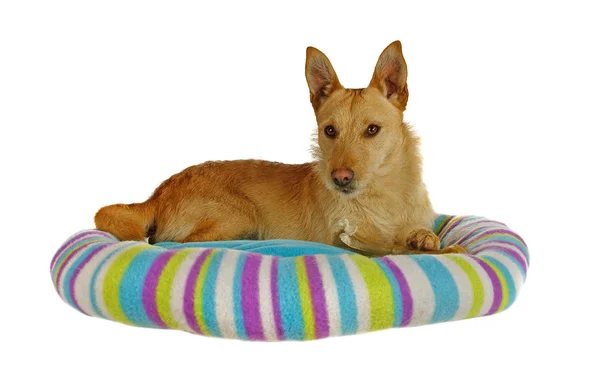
<point x="348" y="190"/>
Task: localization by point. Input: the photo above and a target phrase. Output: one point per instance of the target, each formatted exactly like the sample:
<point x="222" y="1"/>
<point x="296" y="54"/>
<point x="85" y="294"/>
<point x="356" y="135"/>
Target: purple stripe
<point x="66" y="261"/>
<point x="250" y="302"/>
<point x="150" y="284"/>
<point x="469" y="234"/>
<point x="508" y="251"/>
<point x="70" y="242"/>
<point x="467" y="230"/>
<point x="275" y="299"/>
<point x="443" y="225"/>
<point x="495" y="284"/>
<point x="317" y="293"/>
<point x="496" y="231"/>
<point x="451" y="225"/>
<point x="190" y="288"/>
<point x="76" y="274"/>
<point x="407" y="300"/>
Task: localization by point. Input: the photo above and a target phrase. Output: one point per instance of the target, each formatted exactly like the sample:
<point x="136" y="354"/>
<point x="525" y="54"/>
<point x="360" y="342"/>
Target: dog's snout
<point x="342" y="176"/>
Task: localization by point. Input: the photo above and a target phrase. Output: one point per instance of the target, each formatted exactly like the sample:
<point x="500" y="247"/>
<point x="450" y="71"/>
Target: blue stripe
<point x="208" y="294"/>
<point x="71" y="271"/>
<point x="507" y="255"/>
<point x="346" y="295"/>
<point x="444" y="287"/>
<point x="132" y="286"/>
<point x="509" y="279"/>
<point x="292" y="320"/>
<point x="95" y="277"/>
<point x="273" y="247"/>
<point x="63" y="256"/>
<point x="509" y="239"/>
<point x="397" y="296"/>
<point x="237" y="298"/>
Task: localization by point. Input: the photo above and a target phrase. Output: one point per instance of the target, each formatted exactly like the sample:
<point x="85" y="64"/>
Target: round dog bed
<point x="290" y="290"/>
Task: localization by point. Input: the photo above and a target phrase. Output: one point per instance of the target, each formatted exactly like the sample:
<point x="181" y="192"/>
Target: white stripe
<point x="99" y="285"/>
<point x="362" y="295"/>
<point x="420" y="289"/>
<point x="65" y="269"/>
<point x="331" y="296"/>
<point x="503" y="245"/>
<point x="224" y="295"/>
<point x="460" y="232"/>
<point x="82" y="284"/>
<point x="266" y="302"/>
<point x="178" y="289"/>
<point x="512" y="267"/>
<point x="463" y="284"/>
<point x="486" y="282"/>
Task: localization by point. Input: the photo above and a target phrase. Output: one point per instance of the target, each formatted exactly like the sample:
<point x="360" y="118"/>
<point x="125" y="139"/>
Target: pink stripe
<point x="451" y="225"/>
<point x="508" y="251"/>
<point x="70" y="242"/>
<point x="407" y="300"/>
<point x="317" y="293"/>
<point x="472" y="232"/>
<point x="190" y="288"/>
<point x="66" y="261"/>
<point x="495" y="285"/>
<point x="76" y="274"/>
<point x="275" y="299"/>
<point x="150" y="284"/>
<point x="250" y="302"/>
<point x="495" y="231"/>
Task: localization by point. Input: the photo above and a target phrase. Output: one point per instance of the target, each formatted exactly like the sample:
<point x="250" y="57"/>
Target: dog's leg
<point x="223" y="228"/>
<point x="423" y="241"/>
<point x="214" y="218"/>
<point x="452" y="249"/>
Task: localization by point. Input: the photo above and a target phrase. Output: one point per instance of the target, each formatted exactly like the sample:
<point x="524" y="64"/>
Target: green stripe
<point x="305" y="300"/>
<point x="476" y="285"/>
<point x="381" y="298"/>
<point x="112" y="282"/>
<point x="198" y="293"/>
<point x="165" y="285"/>
<point x="503" y="284"/>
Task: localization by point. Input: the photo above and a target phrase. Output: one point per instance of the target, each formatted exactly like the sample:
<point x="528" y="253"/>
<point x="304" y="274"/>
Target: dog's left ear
<point x="390" y="75"/>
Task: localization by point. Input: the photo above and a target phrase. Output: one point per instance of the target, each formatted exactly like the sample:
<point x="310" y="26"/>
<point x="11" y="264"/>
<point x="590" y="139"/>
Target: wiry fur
<point x="386" y="209"/>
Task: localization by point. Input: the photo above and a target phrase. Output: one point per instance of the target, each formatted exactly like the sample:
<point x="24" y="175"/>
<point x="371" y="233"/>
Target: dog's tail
<point x="127" y="221"/>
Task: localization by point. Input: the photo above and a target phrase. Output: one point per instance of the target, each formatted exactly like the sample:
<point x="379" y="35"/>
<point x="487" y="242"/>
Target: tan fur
<point x="387" y="211"/>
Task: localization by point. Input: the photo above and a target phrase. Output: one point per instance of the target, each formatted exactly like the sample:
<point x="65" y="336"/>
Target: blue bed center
<point x="274" y="247"/>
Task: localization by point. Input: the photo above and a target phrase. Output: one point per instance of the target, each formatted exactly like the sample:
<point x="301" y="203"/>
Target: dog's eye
<point x="372" y="130"/>
<point x="330" y="131"/>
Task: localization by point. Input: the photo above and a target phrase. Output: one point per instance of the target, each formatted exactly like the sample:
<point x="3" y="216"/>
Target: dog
<point x="363" y="192"/>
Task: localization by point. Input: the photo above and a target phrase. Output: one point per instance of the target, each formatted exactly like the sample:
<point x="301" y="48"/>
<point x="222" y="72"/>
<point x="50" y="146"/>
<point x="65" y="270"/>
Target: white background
<point x="100" y="102"/>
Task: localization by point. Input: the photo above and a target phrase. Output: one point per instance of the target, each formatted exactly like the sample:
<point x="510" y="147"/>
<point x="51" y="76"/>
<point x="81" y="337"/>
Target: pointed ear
<point x="320" y="76"/>
<point x="390" y="75"/>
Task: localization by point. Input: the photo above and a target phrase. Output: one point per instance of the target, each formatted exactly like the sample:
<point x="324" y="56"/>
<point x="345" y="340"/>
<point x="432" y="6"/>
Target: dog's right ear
<point x="320" y="76"/>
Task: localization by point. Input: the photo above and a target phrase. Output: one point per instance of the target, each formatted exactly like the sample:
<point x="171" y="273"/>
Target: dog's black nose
<point x="342" y="176"/>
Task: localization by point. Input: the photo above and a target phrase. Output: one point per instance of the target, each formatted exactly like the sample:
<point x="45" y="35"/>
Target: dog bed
<point x="290" y="290"/>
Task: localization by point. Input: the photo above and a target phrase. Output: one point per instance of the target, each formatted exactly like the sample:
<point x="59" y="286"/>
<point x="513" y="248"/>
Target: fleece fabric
<point x="278" y="290"/>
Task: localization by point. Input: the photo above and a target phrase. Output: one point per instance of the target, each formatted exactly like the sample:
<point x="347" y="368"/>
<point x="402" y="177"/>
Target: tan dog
<point x="363" y="192"/>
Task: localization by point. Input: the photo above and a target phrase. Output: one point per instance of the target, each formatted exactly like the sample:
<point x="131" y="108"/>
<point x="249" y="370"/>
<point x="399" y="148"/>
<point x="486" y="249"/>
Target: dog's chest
<point x="372" y="222"/>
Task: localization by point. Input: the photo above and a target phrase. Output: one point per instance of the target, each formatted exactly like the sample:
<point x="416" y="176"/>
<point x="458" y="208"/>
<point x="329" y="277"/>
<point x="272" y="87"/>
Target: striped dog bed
<point x="290" y="290"/>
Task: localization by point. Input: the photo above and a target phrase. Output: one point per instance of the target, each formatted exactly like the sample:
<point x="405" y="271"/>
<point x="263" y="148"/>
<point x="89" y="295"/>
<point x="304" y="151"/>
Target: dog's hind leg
<point x="225" y="220"/>
<point x="227" y="228"/>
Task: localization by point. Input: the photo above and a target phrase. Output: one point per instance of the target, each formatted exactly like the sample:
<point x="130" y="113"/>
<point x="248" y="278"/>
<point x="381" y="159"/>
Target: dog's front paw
<point x="455" y="248"/>
<point x="423" y="240"/>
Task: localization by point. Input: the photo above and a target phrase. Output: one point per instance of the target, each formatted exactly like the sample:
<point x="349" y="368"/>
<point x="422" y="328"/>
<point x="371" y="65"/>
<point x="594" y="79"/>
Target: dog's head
<point x="359" y="130"/>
